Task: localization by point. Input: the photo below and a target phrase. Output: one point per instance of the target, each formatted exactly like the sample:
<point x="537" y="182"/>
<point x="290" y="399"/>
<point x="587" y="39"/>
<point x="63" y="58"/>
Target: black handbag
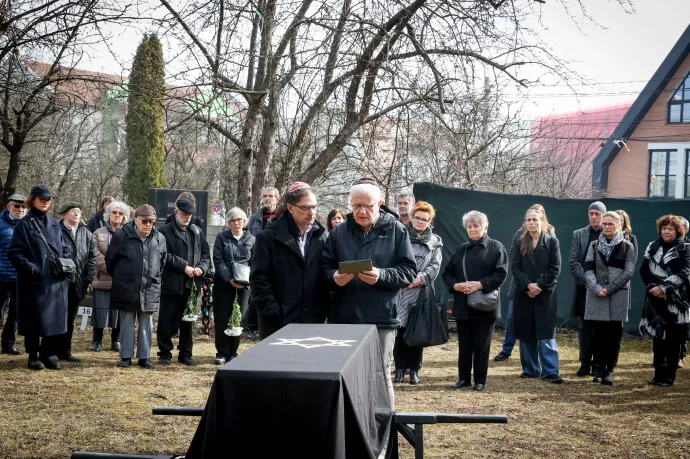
<point x="480" y="301"/>
<point x="428" y="322"/>
<point x="62" y="267"/>
<point x="240" y="274"/>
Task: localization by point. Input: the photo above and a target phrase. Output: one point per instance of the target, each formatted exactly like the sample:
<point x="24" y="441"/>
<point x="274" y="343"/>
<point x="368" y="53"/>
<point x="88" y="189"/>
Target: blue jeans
<point x="534" y="352"/>
<point x="509" y="340"/>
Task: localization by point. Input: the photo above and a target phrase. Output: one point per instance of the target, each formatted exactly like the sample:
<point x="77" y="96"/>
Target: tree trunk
<point x="11" y="181"/>
<point x="265" y="153"/>
<point x="250" y="133"/>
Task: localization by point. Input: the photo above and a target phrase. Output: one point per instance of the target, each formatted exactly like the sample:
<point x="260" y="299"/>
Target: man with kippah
<point x="582" y="239"/>
<point x="188" y="260"/>
<point x="16" y="210"/>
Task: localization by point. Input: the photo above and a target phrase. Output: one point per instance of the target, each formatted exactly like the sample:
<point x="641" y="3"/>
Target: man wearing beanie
<point x="582" y="238"/>
<point x="135" y="260"/>
<point x="188" y="260"/>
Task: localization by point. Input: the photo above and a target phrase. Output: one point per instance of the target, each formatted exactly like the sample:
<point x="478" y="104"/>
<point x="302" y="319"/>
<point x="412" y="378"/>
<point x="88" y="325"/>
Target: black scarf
<point x="420" y="238"/>
<point x="40" y="216"/>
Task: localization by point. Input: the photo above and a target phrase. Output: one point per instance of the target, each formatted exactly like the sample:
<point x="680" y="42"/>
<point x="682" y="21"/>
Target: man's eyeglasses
<point x="420" y="220"/>
<point x="357" y="207"/>
<point x="306" y="208"/>
<point x="147" y="222"/>
<point x="19" y="206"/>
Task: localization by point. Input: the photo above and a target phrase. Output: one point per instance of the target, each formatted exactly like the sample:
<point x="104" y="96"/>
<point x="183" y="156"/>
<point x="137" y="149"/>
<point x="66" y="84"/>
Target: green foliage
<point x="145" y="140"/>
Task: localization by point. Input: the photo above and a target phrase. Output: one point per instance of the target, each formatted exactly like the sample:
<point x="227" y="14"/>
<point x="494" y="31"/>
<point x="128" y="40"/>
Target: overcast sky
<point x="620" y="54"/>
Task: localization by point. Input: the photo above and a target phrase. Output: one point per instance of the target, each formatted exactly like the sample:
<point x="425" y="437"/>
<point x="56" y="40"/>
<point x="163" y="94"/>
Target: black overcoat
<point x="535" y="318"/>
<point x="41" y="297"/>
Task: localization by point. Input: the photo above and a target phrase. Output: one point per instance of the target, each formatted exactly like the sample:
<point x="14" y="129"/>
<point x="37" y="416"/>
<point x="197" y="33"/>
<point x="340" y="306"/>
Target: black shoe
<point x="145" y="363"/>
<point x="35" y="364"/>
<point x="124" y="363"/>
<point x="69" y="358"/>
<point x="460" y="384"/>
<point x="665" y="382"/>
<point x="220" y="361"/>
<point x="51" y="363"/>
<point x="190" y="362"/>
<point x="163" y="361"/>
<point x="598" y="376"/>
<point x="414" y="377"/>
<point x="479" y="387"/>
<point x="95" y="346"/>
<point x="526" y="376"/>
<point x="607" y="379"/>
<point x="115" y="346"/>
<point x="554" y="379"/>
<point x="585" y="370"/>
<point x="399" y="376"/>
<point x="502" y="356"/>
<point x="653" y="382"/>
<point x="11" y="350"/>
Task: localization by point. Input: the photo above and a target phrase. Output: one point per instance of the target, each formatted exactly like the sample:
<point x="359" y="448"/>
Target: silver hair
<point x="686" y="223"/>
<point x="234" y="213"/>
<point x="274" y="190"/>
<point x="117" y="205"/>
<point x="406" y="195"/>
<point x="476" y="216"/>
<point x="366" y="188"/>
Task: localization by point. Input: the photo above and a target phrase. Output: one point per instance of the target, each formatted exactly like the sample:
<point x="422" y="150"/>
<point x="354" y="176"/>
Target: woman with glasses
<point x="609" y="266"/>
<point x="427" y="252"/>
<point x="285" y="276"/>
<point x="233" y="246"/>
<point x="103" y="316"/>
<point x="41" y="292"/>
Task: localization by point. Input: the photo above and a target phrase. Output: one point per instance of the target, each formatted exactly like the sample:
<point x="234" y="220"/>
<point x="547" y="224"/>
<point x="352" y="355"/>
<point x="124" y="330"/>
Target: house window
<point x="679" y="105"/>
<point x="662" y="173"/>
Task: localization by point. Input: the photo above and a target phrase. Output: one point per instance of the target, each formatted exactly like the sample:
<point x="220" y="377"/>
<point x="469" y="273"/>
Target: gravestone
<point x="163" y="200"/>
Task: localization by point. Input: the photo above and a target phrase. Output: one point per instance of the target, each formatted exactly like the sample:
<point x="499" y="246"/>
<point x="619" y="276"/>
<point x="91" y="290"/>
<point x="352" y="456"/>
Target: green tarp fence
<point x="506" y="213"/>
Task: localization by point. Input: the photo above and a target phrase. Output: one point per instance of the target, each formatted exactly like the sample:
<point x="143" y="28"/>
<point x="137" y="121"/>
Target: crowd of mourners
<point x="282" y="266"/>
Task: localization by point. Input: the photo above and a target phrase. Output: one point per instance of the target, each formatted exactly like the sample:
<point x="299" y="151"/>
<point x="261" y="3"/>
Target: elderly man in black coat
<point x="286" y="265"/>
<point x="81" y="248"/>
<point x="188" y="260"/>
<point x="41" y="293"/>
<point x="370" y="297"/>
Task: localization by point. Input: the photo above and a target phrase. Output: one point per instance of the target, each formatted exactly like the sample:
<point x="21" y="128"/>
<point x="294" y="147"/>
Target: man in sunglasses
<point x="16" y="210"/>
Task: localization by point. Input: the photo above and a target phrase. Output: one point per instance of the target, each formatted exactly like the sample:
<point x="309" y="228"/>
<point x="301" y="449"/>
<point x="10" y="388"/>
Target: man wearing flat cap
<point x="188" y="260"/>
<point x="582" y="239"/>
<point x="16" y="210"/>
<point x="81" y="248"/>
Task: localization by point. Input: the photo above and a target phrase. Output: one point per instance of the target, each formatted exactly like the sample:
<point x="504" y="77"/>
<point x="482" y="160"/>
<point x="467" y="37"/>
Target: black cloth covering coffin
<point x="309" y="390"/>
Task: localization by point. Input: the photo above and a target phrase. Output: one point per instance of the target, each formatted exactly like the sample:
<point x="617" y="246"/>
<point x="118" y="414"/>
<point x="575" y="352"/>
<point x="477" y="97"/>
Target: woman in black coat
<point x="41" y="295"/>
<point x="285" y="276"/>
<point x="536" y="265"/>
<point x="665" y="317"/>
<point x="234" y="245"/>
<point x="480" y="264"/>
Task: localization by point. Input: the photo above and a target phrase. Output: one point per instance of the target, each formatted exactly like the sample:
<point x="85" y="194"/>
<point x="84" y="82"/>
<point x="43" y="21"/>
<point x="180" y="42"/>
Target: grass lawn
<point x="95" y="406"/>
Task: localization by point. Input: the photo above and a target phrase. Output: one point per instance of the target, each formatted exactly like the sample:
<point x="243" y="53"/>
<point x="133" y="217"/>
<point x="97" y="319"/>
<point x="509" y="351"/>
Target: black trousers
<point x="169" y="321"/>
<point x="114" y="334"/>
<point x="251" y="319"/>
<point x="666" y="352"/>
<point x="268" y="326"/>
<point x="585" y="338"/>
<point x="683" y="349"/>
<point x="474" y="340"/>
<point x="8" y="302"/>
<point x="35" y="345"/>
<point x="406" y="357"/>
<point x="226" y="346"/>
<point x="606" y="342"/>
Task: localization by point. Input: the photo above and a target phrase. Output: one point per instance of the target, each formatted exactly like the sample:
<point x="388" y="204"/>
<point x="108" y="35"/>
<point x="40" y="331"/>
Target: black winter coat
<point x="287" y="287"/>
<point x="41" y="297"/>
<point x="535" y="318"/>
<point x="96" y="222"/>
<point x="174" y="278"/>
<point x="136" y="285"/>
<point x="486" y="262"/>
<point x="82" y="250"/>
<point x="388" y="246"/>
<point x="227" y="249"/>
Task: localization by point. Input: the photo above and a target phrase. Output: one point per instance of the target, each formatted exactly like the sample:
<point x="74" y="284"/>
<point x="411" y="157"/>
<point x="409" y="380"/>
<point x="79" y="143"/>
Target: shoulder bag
<point x="240" y="271"/>
<point x="480" y="301"/>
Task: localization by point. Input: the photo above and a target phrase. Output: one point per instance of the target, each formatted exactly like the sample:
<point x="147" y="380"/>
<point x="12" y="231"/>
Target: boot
<point x="599" y="375"/>
<point x="658" y="376"/>
<point x="607" y="378"/>
<point x="399" y="376"/>
<point x="414" y="377"/>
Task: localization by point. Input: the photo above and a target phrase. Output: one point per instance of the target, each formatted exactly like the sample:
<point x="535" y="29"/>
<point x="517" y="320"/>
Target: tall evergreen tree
<point x="145" y="137"/>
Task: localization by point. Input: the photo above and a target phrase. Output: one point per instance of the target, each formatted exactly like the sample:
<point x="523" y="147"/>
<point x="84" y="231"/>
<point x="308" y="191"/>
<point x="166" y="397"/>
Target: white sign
<point x="85" y="314"/>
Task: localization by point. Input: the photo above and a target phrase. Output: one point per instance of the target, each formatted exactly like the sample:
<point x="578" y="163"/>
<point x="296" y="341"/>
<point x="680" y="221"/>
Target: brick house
<point x="648" y="154"/>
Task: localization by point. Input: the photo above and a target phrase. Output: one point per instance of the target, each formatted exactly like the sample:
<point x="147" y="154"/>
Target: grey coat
<point x="613" y="275"/>
<point x="428" y="257"/>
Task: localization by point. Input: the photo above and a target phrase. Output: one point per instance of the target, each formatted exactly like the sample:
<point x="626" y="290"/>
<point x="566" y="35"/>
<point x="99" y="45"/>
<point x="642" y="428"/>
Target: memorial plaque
<point x="163" y="200"/>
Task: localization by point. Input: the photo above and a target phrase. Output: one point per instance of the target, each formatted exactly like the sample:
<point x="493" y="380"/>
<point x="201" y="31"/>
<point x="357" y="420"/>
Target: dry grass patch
<point x="95" y="406"/>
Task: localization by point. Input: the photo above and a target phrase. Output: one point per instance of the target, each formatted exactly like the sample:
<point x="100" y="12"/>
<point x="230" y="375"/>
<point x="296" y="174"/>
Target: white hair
<point x="117" y="205"/>
<point x="475" y="216"/>
<point x="273" y="189"/>
<point x="406" y="195"/>
<point x="368" y="189"/>
<point x="234" y="213"/>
